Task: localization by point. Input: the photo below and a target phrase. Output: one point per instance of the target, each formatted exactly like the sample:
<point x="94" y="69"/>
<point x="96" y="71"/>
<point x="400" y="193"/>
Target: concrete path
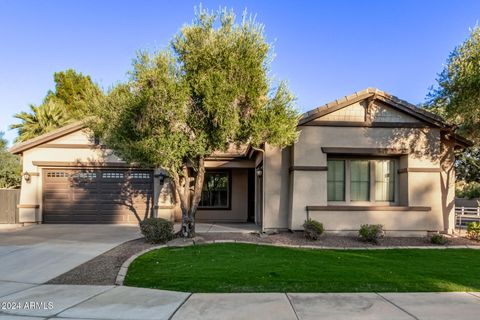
<point x="36" y="254"/>
<point x="223" y="227"/>
<point x="127" y="303"/>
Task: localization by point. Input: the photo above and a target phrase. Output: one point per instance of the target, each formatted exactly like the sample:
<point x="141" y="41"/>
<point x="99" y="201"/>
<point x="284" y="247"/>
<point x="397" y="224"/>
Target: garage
<point x="115" y="196"/>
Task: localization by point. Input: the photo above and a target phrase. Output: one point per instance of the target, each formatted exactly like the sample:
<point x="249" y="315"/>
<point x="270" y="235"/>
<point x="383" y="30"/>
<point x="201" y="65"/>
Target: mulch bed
<point x="103" y="269"/>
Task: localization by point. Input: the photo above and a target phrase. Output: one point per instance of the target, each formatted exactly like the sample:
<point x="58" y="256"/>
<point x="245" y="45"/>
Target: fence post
<point x="460" y="222"/>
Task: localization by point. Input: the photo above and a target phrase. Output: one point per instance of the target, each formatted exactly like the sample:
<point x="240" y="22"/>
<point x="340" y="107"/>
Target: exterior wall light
<point x="161" y="177"/>
<point x="27" y="176"/>
<point x="259" y="172"/>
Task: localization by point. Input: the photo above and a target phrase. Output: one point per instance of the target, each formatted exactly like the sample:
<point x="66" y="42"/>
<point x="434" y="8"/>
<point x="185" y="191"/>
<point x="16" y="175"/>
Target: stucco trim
<point x="85" y="164"/>
<point x="70" y="146"/>
<point x="367" y="208"/>
<point x="163" y="206"/>
<point x="367" y="124"/>
<point x="405" y="170"/>
<point x="33" y="174"/>
<point x="28" y="206"/>
<point x="364" y="151"/>
<point x="32" y="143"/>
<point x="308" y="168"/>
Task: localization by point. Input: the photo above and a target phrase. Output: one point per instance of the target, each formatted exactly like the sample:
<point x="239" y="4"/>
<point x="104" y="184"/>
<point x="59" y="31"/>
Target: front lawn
<point x="255" y="268"/>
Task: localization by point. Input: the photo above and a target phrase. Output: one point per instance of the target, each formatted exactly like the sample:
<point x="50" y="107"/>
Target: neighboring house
<point x="366" y="158"/>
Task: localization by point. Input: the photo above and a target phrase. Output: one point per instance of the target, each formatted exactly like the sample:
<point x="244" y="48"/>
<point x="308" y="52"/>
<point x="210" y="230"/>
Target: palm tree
<point x="42" y="119"/>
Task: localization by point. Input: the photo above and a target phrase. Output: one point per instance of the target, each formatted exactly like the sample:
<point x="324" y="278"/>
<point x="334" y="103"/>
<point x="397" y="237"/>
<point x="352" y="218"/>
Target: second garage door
<point x="97" y="195"/>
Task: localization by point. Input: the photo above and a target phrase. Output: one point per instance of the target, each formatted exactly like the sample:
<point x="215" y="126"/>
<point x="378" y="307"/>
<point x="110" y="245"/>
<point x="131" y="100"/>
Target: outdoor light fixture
<point x="27" y="176"/>
<point x="161" y="176"/>
<point x="260" y="172"/>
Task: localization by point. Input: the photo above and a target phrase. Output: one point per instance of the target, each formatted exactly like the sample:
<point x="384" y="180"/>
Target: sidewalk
<point x="128" y="303"/>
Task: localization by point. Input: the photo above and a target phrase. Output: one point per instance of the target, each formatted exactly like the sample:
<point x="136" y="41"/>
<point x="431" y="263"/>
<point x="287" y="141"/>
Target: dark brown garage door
<point x="96" y="196"/>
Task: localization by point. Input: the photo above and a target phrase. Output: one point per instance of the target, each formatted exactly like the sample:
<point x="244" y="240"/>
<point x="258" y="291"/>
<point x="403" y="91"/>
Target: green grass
<point x="254" y="268"/>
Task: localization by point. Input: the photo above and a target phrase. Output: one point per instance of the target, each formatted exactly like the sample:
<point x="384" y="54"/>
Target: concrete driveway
<point x="36" y="254"/>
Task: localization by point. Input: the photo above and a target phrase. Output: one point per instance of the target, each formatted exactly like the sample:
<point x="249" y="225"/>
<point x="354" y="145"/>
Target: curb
<point x="124" y="268"/>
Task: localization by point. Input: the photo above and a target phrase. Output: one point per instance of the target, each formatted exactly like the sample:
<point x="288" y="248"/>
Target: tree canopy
<point x="457" y="95"/>
<point x="10" y="167"/>
<point x="209" y="90"/>
<point x="457" y="98"/>
<point x="67" y="103"/>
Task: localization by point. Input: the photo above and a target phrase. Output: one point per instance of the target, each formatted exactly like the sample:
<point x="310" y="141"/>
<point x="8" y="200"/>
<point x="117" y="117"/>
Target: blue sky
<point x="324" y="49"/>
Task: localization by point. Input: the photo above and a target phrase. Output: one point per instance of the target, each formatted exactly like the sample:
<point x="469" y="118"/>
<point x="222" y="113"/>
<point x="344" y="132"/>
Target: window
<point x="112" y="175"/>
<point x="57" y="174"/>
<point x="384" y="180"/>
<point x="84" y="176"/>
<point x="140" y="175"/>
<point x="336" y="180"/>
<point x="216" y="190"/>
<point x="361" y="180"/>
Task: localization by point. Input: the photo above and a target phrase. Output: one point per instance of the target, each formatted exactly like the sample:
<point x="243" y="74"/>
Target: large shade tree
<point x="67" y="103"/>
<point x="208" y="91"/>
<point x="10" y="167"/>
<point x="457" y="98"/>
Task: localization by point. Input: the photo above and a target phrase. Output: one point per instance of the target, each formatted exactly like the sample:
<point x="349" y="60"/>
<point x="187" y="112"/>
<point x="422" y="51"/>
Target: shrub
<point x="438" y="239"/>
<point x="473" y="230"/>
<point x="371" y="233"/>
<point x="157" y="230"/>
<point x="312" y="229"/>
<point x="469" y="190"/>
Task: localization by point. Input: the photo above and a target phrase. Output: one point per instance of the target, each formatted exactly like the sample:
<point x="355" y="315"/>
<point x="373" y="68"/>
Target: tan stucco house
<point x="365" y="158"/>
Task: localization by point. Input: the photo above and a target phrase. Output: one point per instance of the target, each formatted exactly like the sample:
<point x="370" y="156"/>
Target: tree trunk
<point x="181" y="193"/>
<point x="187" y="205"/>
<point x="197" y="194"/>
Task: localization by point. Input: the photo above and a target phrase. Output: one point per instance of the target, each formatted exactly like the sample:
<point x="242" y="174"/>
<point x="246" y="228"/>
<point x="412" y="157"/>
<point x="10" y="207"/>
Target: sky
<point x="323" y="49"/>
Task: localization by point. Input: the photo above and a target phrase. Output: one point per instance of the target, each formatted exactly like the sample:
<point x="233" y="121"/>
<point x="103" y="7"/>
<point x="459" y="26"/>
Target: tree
<point x="457" y="98"/>
<point x="73" y="90"/>
<point x="69" y="102"/>
<point x="42" y="119"/>
<point x="10" y="167"/>
<point x="208" y="91"/>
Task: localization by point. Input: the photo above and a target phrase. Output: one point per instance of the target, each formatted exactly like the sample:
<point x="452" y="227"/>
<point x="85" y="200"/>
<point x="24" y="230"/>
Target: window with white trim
<point x="361" y="180"/>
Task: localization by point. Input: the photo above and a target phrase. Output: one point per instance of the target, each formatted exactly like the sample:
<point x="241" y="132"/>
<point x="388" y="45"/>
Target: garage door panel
<point x="88" y="197"/>
<point x="57" y="196"/>
<point x="70" y="218"/>
<point x="96" y="196"/>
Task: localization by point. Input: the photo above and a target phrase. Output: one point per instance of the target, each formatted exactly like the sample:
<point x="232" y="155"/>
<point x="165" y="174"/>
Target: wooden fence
<point x="9" y="198"/>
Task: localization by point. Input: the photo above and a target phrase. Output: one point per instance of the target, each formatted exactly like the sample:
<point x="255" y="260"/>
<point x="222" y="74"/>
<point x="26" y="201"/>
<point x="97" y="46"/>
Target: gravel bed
<point x="103" y="269"/>
<point x="297" y="238"/>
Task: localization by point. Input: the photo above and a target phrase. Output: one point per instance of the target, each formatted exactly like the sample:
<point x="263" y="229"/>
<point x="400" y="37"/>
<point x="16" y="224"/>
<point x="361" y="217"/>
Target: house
<point x="365" y="158"/>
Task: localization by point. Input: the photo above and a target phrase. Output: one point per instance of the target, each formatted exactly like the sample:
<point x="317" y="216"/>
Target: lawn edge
<point x="188" y="242"/>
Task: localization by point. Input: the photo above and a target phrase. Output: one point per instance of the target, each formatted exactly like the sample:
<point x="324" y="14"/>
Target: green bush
<point x="438" y="239"/>
<point x="473" y="230"/>
<point x="469" y="190"/>
<point x="312" y="229"/>
<point x="371" y="233"/>
<point x="157" y="230"/>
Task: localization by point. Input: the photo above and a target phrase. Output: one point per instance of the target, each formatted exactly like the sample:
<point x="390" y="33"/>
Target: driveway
<point x="36" y="254"/>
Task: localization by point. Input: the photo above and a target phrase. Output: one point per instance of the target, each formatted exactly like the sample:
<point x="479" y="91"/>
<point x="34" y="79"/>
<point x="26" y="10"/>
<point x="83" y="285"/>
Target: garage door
<point x="96" y="196"/>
